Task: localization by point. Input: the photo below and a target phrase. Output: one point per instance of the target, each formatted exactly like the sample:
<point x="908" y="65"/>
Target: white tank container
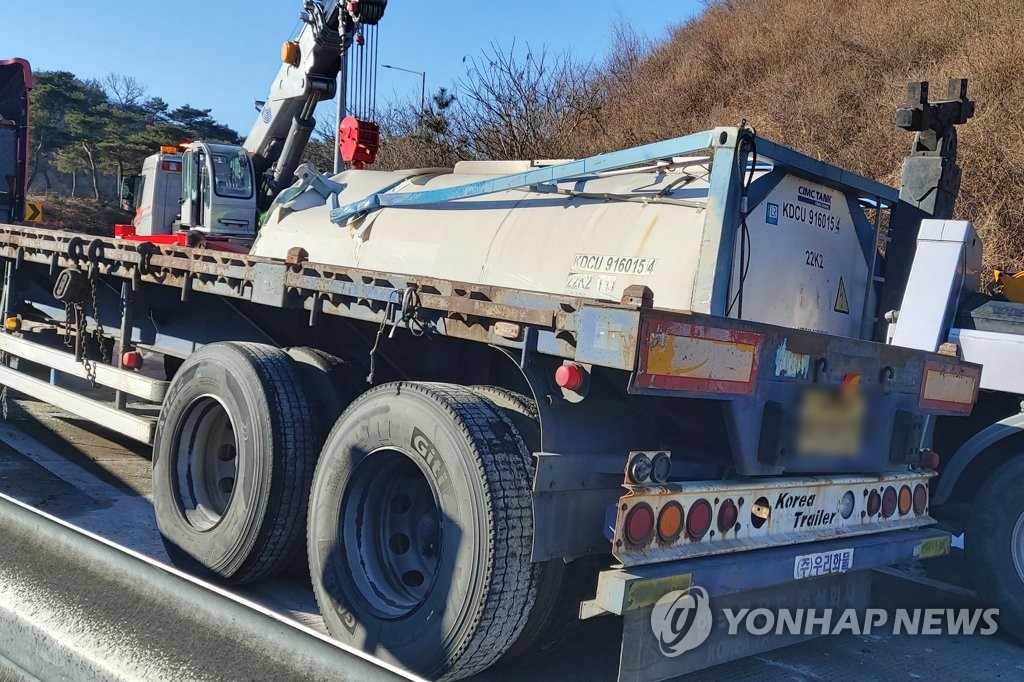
<point x="594" y="238"/>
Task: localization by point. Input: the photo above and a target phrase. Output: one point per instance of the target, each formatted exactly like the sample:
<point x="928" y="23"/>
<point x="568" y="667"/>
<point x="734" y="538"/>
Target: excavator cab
<point x="218" y="190"/>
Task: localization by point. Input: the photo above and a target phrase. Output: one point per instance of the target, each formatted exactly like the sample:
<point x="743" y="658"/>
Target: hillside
<point x="825" y="76"/>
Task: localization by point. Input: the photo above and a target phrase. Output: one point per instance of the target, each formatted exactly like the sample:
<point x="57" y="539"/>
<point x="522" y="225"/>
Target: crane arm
<point x="308" y="75"/>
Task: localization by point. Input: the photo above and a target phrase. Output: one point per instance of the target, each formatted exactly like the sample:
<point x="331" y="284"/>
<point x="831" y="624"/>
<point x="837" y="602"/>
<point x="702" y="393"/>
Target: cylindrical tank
<point x="807" y="259"/>
<point x="594" y="243"/>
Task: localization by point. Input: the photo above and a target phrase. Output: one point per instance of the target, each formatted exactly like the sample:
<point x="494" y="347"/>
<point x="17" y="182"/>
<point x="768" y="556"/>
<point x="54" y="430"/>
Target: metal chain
<point x="4" y="359"/>
<point x="77" y="311"/>
<point x="68" y="309"/>
<point x="97" y="331"/>
<point x="83" y="334"/>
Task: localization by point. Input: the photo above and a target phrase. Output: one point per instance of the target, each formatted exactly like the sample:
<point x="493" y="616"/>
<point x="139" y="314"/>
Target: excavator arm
<point x="308" y="75"/>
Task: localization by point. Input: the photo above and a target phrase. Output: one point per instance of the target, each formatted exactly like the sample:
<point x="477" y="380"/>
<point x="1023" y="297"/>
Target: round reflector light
<point x="846" y="504"/>
<point x="728" y="513"/>
<point x="905" y="500"/>
<point x="889" y="502"/>
<point x="920" y="499"/>
<point x="670" y="522"/>
<point x="569" y="376"/>
<point x="874" y="503"/>
<point x="640" y="524"/>
<point x="698" y="521"/>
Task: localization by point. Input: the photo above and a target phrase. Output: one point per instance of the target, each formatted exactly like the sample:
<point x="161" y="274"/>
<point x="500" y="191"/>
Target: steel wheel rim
<point x="391" y="533"/>
<point x="207" y="462"/>
<point x="1017" y="547"/>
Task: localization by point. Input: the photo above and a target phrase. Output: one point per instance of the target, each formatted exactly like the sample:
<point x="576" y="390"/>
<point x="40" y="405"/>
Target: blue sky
<point x="223" y="54"/>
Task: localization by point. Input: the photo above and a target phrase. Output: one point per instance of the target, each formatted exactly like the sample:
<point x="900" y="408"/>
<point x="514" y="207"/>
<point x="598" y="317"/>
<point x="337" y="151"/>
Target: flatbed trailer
<point x="471" y="468"/>
<point x="577" y="472"/>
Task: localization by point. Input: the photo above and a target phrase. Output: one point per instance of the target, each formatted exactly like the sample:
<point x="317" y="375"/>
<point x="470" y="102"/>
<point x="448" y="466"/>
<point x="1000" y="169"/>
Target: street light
<point x="423" y="83"/>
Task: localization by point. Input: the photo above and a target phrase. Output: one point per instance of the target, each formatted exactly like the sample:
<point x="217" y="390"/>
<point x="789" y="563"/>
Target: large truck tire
<point x="233" y="459"/>
<point x="994" y="543"/>
<point x="560" y="586"/>
<point x="420" y="529"/>
<point x="332" y="383"/>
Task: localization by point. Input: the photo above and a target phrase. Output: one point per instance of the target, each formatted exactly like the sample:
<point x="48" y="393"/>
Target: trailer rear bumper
<point x="760" y="579"/>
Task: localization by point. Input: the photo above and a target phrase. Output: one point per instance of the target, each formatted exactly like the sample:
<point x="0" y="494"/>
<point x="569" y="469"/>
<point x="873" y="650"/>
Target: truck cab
<point x="154" y="195"/>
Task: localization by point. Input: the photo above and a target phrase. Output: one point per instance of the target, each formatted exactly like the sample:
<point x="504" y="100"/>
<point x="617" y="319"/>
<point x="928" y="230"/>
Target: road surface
<point x="94" y="479"/>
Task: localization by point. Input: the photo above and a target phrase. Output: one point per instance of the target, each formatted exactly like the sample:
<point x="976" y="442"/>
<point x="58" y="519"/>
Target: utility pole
<point x="423" y="83"/>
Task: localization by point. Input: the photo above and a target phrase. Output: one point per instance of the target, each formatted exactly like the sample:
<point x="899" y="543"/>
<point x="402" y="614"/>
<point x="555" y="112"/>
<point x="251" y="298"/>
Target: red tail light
<point x="889" y="502"/>
<point x="698" y="521"/>
<point x="920" y="499"/>
<point x="640" y="524"/>
<point x="728" y="514"/>
<point x="874" y="503"/>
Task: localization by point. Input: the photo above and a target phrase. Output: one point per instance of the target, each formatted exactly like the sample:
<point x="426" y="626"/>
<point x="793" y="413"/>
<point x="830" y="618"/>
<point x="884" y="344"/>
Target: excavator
<point x="214" y="193"/>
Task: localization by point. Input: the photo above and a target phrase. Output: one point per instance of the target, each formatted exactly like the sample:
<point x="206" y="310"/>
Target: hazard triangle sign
<point x="842" y="303"/>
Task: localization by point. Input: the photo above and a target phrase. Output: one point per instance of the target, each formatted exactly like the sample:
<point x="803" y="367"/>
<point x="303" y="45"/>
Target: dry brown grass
<point x="80" y="214"/>
<point x="824" y="76"/>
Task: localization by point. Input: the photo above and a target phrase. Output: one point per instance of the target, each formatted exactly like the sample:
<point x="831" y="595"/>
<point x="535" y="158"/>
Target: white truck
<point x="486" y="402"/>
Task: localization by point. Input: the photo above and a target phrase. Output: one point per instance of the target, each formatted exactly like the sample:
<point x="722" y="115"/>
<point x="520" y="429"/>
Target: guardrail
<point x="76" y="606"/>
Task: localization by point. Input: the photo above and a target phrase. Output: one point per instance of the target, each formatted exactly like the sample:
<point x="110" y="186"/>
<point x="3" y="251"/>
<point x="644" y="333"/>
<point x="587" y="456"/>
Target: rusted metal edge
<point x="235" y="275"/>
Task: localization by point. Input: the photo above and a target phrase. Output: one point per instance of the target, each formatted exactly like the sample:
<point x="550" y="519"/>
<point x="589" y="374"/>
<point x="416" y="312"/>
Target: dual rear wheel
<point x="418" y="520"/>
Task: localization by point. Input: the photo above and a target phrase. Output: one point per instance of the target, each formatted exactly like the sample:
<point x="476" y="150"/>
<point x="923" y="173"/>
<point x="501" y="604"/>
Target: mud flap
<point x="643" y="657"/>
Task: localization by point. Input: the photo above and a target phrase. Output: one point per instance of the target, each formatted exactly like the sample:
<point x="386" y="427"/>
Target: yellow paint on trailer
<point x="699" y="358"/>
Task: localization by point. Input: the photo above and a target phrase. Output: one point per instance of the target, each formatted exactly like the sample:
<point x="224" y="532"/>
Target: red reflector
<point x="920" y="499"/>
<point x="930" y="459"/>
<point x="727" y="516"/>
<point x="698" y="521"/>
<point x="640" y="524"/>
<point x="889" y="502"/>
<point x="569" y="376"/>
<point x="131" y="359"/>
<point x="874" y="503"/>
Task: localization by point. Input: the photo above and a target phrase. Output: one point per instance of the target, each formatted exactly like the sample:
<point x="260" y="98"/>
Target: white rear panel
<point x="807" y="267"/>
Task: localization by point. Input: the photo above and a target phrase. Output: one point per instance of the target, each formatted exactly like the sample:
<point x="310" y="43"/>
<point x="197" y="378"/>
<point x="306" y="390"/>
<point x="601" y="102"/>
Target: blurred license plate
<point x="831" y="422"/>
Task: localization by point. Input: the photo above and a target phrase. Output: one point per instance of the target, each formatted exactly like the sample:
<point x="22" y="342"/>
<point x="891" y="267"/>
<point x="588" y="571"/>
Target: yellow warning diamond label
<point x="842" y="303"/>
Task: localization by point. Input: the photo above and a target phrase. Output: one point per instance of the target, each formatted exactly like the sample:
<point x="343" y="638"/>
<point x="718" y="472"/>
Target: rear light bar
<point x="670" y="521"/>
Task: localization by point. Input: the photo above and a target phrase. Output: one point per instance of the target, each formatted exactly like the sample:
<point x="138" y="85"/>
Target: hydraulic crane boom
<point x="224" y="187"/>
<point x="309" y="71"/>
